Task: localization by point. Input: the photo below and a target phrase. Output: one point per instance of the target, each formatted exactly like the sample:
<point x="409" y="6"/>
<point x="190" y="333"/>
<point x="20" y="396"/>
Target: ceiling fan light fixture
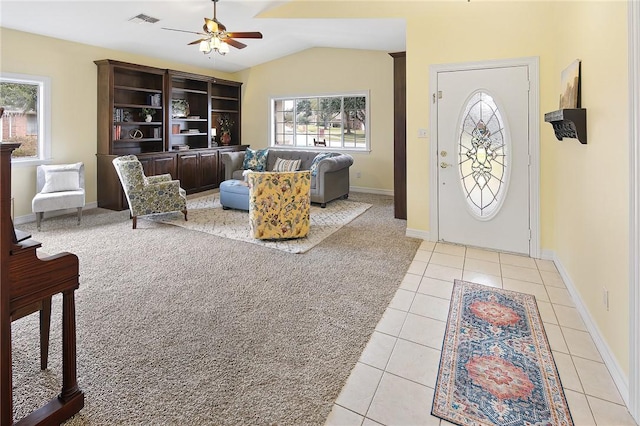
<point x="224" y="48"/>
<point x="204" y="47"/>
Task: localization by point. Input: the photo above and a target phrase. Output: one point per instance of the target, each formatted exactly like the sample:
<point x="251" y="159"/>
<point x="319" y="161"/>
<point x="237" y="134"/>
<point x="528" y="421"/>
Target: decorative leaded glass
<point x="482" y="155"/>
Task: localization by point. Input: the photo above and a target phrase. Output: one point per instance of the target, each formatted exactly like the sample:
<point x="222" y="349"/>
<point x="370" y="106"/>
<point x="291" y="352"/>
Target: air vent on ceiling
<point x="142" y="18"/>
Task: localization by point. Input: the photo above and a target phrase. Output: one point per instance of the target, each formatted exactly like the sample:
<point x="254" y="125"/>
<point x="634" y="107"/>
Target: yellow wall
<point x="326" y="71"/>
<point x="592" y="181"/>
<point x="74" y="100"/>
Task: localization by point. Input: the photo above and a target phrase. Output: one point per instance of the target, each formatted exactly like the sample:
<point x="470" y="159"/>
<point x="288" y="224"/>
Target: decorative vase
<point x="148" y="118"/>
<point x="225" y="138"/>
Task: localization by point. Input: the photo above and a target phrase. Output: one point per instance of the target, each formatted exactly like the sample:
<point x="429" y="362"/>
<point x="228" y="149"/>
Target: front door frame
<point x="534" y="140"/>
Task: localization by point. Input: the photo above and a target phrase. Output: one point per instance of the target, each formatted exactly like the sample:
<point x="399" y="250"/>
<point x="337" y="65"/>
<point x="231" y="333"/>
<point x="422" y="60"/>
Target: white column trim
<point x="634" y="208"/>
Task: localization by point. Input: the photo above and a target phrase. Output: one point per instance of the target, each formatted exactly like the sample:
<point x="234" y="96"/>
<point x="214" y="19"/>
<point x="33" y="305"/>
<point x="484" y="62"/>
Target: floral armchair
<point x="279" y="204"/>
<point x="148" y="195"/>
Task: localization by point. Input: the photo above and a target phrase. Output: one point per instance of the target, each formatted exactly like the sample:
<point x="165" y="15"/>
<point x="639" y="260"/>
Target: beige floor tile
<point x="546" y="265"/>
<point x="518" y="260"/>
<point x="480" y="278"/>
<point x="568" y="374"/>
<point x="453" y="249"/>
<point x="423" y="255"/>
<point x="411" y="282"/>
<point x="480" y="254"/>
<point x="369" y="422"/>
<point x="482" y="266"/>
<point x="437" y="288"/>
<point x="556" y="339"/>
<point x="340" y="416"/>
<point x="607" y="413"/>
<point x="417" y="267"/>
<point x="521" y="273"/>
<point x="596" y="380"/>
<point x="422" y="330"/>
<point x="447" y="260"/>
<point x="443" y="272"/>
<point x="579" y="407"/>
<point x="559" y="296"/>
<point x="569" y="317"/>
<point x="378" y="350"/>
<point x="414" y="362"/>
<point x="427" y="245"/>
<point x="357" y="393"/>
<point x="429" y="306"/>
<point x="546" y="312"/>
<point x="402" y="300"/>
<point x="581" y="344"/>
<point x="391" y="322"/>
<point x="552" y="279"/>
<point x="401" y="402"/>
<point x="538" y="290"/>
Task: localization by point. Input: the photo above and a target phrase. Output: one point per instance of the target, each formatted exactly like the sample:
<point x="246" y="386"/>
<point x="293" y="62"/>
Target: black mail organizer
<point x="569" y="123"/>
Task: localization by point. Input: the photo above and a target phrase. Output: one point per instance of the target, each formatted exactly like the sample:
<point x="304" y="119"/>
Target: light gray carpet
<point x="177" y="327"/>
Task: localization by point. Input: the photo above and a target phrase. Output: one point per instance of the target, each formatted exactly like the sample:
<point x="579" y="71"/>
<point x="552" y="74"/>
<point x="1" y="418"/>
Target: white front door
<point x="483" y="158"/>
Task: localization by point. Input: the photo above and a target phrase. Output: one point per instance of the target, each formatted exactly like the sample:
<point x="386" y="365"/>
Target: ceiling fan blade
<point x="251" y="34"/>
<point x="197" y="41"/>
<point x="183" y="31"/>
<point x="234" y="43"/>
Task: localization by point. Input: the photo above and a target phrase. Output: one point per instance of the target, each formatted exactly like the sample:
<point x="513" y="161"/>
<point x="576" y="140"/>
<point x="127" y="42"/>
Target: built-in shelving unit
<point x="181" y="136"/>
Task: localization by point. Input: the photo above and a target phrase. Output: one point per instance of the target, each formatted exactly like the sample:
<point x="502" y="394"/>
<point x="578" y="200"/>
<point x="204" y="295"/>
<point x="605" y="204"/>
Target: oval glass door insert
<point x="483" y="156"/>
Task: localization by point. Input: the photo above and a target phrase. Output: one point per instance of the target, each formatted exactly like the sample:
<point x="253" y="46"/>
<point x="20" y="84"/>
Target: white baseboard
<point x="371" y="190"/>
<point x="417" y="233"/>
<point x="617" y="373"/>
<point x="19" y="220"/>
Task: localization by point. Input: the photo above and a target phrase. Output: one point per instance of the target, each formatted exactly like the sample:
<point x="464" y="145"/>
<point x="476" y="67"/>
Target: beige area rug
<point x="207" y="215"/>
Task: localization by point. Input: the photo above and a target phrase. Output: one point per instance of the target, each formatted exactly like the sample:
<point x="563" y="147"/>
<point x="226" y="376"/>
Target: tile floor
<point x="394" y="380"/>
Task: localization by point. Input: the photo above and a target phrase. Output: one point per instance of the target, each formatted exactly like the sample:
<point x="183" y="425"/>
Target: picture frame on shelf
<point x="179" y="108"/>
<point x="570" y="86"/>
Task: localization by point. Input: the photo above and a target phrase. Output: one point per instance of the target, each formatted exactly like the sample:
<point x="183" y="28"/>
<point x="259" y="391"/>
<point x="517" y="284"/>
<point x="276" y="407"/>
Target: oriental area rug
<point x="496" y="366"/>
<point x="206" y="215"/>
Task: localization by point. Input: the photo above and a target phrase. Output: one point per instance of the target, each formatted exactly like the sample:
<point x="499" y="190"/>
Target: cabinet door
<point x="209" y="170"/>
<point x="188" y="171"/>
<point x="165" y="164"/>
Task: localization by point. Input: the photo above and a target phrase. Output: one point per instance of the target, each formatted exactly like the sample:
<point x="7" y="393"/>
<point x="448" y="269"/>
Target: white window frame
<point x="367" y="131"/>
<point x="44" y="116"/>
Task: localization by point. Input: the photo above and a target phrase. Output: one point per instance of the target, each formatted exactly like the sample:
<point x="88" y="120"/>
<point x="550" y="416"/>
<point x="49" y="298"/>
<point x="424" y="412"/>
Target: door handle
<point x="444" y="165"/>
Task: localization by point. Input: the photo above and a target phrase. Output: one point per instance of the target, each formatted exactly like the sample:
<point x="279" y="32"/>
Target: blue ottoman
<point x="234" y="194"/>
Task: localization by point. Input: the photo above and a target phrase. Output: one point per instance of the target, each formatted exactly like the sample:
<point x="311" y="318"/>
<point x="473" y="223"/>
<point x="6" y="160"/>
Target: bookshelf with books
<point x="164" y="117"/>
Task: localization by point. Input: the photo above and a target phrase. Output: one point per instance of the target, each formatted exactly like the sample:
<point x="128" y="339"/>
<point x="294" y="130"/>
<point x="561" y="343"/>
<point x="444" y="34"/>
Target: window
<point x="26" y="118"/>
<point x="334" y="121"/>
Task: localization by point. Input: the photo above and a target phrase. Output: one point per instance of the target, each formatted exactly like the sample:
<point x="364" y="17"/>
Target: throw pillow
<point x="255" y="159"/>
<point x="286" y="165"/>
<point x="61" y="178"/>
<point x="316" y="161"/>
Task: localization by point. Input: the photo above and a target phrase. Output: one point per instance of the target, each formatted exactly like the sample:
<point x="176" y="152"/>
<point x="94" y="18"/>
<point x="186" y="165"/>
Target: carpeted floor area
<point x="182" y="327"/>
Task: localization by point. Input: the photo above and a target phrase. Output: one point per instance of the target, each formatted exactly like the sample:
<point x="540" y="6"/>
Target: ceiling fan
<point x="216" y="37"/>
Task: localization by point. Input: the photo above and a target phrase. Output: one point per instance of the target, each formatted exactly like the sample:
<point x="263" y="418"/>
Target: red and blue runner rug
<point x="496" y="366"/>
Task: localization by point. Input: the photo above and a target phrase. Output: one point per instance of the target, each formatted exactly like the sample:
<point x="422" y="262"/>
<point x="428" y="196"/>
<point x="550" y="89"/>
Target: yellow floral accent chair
<point x="279" y="204"/>
<point x="148" y="195"/>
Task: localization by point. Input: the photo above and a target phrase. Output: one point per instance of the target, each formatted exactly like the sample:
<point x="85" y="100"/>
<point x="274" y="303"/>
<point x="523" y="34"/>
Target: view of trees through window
<point x="332" y="121"/>
<point x="20" y="121"/>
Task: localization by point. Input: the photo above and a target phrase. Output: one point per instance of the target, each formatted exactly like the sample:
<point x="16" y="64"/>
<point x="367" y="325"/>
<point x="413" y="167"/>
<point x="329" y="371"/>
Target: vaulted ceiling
<point x="107" y="24"/>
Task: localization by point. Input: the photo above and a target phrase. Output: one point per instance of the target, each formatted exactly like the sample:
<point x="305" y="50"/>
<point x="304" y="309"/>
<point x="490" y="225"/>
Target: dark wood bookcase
<point x="180" y="138"/>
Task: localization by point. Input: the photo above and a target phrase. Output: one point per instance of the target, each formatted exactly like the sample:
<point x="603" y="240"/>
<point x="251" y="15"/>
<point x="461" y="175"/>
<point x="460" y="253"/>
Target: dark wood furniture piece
<point x="181" y="139"/>
<point x="26" y="283"/>
<point x="399" y="135"/>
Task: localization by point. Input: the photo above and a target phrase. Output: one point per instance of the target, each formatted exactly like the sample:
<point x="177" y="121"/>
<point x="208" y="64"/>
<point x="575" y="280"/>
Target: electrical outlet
<point x="423" y="133"/>
<point x="605" y="298"/>
<point x="358" y="175"/>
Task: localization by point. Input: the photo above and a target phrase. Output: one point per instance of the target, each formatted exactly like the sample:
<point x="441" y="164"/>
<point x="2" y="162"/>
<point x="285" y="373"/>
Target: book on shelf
<point x="117" y="130"/>
<point x="180" y="147"/>
<point x="156" y="132"/>
<point x="155" y="100"/>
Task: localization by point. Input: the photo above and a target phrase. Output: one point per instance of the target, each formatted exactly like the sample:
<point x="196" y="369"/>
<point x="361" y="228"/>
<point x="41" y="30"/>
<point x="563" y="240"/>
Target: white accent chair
<point x="59" y="187"/>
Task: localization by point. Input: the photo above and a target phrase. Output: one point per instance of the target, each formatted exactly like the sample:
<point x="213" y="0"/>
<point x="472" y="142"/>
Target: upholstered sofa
<point x="329" y="178"/>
